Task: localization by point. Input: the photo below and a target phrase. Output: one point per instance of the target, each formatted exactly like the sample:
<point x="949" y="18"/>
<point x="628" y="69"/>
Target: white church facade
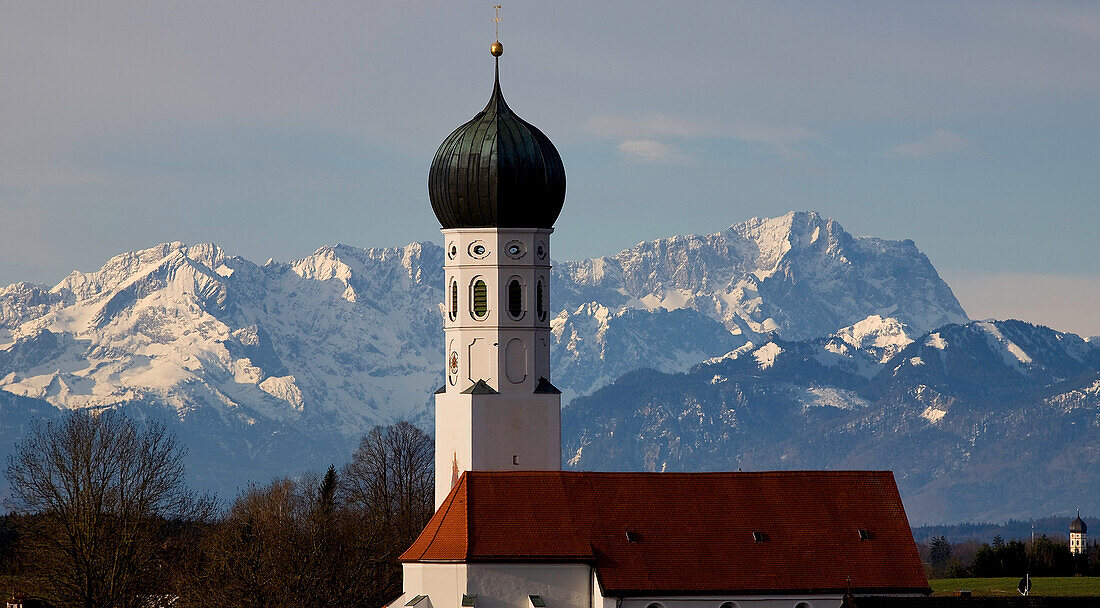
<point x="513" y="530"/>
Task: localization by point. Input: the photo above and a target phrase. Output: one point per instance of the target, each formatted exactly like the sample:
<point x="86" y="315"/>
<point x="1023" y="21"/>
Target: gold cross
<point x="496" y="20"/>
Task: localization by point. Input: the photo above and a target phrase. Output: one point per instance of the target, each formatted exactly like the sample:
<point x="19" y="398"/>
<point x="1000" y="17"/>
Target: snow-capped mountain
<point x="281" y="366"/>
<point x="798" y="276"/>
<point x="981" y="421"/>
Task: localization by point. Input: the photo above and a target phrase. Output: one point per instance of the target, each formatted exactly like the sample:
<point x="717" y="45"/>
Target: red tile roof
<point x="693" y="531"/>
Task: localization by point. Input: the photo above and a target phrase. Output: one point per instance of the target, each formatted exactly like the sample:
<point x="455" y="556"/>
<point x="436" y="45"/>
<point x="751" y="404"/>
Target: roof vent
<point x="631" y="536"/>
<point x="537" y="601"/>
<point x="469" y="601"/>
<point x="416" y="600"/>
<point x="759" y="537"/>
<point x="864" y="534"/>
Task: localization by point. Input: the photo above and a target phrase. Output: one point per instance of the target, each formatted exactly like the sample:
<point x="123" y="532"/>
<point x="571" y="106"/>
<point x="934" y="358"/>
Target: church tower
<point x="496" y="184"/>
<point x="1077" y="530"/>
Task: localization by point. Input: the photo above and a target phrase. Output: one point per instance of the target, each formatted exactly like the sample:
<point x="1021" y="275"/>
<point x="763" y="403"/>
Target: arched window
<point x="802" y="605"/>
<point x="729" y="605"/>
<point x="480" y="300"/>
<point x="454" y="300"/>
<point x="515" y="299"/>
<point x="540" y="301"/>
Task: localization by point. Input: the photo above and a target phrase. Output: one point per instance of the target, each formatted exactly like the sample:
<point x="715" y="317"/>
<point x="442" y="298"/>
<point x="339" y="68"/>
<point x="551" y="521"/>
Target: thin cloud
<point x="652" y="151"/>
<point x="940" y="141"/>
<point x="649" y="129"/>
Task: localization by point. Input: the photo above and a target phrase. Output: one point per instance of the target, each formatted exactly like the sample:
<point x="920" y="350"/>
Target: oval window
<point x="515" y="249"/>
<point x="540" y="301"/>
<point x="515" y="299"/>
<point x="480" y="300"/>
<point x="454" y="300"/>
<point x="454" y="251"/>
<point x="540" y="251"/>
<point x="478" y="250"/>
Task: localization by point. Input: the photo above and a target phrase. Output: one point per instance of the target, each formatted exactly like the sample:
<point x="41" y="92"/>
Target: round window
<point x="515" y="249"/>
<point x="478" y="250"/>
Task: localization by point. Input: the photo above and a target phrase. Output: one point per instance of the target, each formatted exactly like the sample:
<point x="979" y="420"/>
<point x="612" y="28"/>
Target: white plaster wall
<point x="508" y="585"/>
<point x="492" y="333"/>
<point x="505" y="432"/>
<point x="444" y="584"/>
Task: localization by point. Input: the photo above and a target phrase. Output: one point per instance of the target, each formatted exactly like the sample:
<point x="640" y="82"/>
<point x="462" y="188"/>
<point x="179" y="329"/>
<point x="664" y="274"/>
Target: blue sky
<point x="273" y="128"/>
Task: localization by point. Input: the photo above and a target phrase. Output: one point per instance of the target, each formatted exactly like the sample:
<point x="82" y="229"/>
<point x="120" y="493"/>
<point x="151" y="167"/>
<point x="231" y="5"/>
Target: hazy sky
<point x="272" y="128"/>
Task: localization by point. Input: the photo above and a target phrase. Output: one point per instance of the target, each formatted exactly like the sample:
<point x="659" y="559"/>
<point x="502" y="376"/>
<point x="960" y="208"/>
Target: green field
<point x="1052" y="585"/>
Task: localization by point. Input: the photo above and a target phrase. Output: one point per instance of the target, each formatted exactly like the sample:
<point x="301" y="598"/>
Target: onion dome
<point x="1078" y="525"/>
<point x="497" y="171"/>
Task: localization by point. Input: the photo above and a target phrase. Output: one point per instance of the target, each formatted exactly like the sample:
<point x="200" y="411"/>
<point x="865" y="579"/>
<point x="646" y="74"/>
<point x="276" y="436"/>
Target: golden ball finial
<point x="496" y="48"/>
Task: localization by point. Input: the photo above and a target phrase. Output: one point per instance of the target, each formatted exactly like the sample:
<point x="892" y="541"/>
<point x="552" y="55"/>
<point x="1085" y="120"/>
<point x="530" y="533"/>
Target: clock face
<point x="452" y="363"/>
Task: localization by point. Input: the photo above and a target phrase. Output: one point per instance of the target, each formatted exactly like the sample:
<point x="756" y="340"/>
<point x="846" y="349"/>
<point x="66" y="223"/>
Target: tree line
<point x="1043" y="556"/>
<point x="101" y="516"/>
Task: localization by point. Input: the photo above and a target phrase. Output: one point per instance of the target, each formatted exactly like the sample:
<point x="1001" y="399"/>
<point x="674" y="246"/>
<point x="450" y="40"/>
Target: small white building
<point x="1077" y="532"/>
<point x="512" y="530"/>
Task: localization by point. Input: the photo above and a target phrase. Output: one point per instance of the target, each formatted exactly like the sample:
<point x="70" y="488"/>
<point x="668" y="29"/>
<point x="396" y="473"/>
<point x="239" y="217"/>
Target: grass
<point x="1050" y="585"/>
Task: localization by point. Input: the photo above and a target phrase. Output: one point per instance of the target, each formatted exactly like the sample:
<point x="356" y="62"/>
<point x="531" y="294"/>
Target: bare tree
<point x="291" y="543"/>
<point x="391" y="480"/>
<point x="105" y="502"/>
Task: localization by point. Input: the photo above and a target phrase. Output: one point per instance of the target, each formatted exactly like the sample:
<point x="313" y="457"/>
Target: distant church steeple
<point x="1077" y="531"/>
<point x="496" y="184"/>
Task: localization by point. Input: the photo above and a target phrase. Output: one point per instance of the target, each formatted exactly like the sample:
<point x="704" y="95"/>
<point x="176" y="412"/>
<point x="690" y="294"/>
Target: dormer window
<point x="864" y="534"/>
<point x="631" y="536"/>
<point x="759" y="537"/>
<point x="469" y="601"/>
<point x="536" y="601"/>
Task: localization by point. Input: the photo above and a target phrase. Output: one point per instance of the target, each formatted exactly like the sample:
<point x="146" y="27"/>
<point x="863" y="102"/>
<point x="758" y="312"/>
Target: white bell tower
<point x="1077" y="531"/>
<point x="497" y="184"/>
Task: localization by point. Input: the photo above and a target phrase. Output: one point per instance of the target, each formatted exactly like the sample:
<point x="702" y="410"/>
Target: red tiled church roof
<point x="692" y="532"/>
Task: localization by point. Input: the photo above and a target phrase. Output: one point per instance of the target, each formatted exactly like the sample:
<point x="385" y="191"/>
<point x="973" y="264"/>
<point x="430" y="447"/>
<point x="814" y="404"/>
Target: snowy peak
<point x="344" y="338"/>
<point x="798" y="276"/>
<point x="884" y="338"/>
<point x="986" y="356"/>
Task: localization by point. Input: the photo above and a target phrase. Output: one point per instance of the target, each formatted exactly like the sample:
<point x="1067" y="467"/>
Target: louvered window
<point x="481" y="299"/>
<point x="540" y="302"/>
<point x="515" y="299"/>
<point x="454" y="300"/>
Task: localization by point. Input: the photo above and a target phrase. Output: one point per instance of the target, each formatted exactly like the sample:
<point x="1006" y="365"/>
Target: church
<point x="512" y="530"/>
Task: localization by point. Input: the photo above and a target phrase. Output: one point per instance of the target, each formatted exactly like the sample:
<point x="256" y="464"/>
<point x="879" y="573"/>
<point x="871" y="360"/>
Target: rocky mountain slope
<point x="980" y="422"/>
<point x="281" y="366"/>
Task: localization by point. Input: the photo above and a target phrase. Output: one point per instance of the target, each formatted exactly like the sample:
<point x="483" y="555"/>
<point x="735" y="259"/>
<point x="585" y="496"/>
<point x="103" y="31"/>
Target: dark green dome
<point x="497" y="171"/>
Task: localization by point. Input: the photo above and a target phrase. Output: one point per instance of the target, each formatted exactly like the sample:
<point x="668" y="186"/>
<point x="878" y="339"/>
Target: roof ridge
<point x="791" y="473"/>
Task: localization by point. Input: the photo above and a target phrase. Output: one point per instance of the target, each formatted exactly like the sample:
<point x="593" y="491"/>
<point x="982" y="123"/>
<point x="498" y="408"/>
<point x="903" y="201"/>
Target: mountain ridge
<point x="321" y="348"/>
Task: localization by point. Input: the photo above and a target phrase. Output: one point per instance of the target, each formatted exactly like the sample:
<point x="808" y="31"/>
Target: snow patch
<point x="832" y="397"/>
<point x="935" y="340"/>
<point x="765" y="355"/>
<point x="932" y="415"/>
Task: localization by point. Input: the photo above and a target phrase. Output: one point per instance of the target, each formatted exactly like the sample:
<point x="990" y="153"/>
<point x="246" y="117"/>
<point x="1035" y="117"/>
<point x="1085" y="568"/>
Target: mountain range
<point x="271" y="369"/>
